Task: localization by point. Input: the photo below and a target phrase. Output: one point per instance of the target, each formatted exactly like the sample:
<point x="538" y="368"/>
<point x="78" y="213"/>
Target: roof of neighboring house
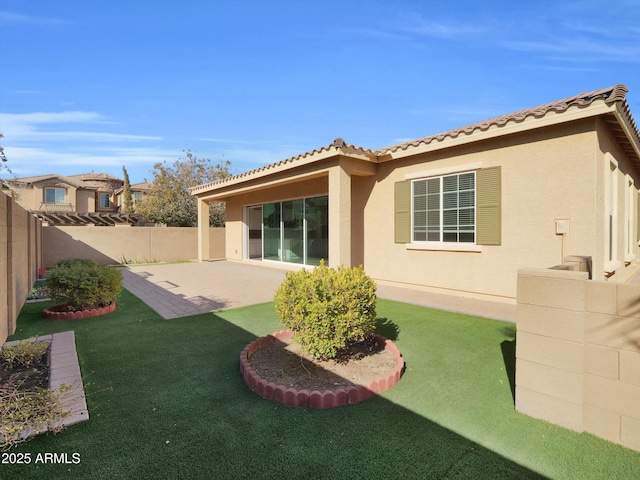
<point x="136" y="187"/>
<point x="83" y="180"/>
<point x="619" y="119"/>
<point x="30" y="181"/>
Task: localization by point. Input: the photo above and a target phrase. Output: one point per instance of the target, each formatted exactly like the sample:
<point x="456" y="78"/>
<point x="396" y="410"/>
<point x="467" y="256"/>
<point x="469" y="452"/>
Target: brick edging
<point x="51" y="314"/>
<point x="317" y="399"/>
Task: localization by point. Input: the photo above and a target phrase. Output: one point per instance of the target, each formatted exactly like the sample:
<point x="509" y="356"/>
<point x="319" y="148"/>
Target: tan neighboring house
<point x="459" y="212"/>
<point x="85" y="199"/>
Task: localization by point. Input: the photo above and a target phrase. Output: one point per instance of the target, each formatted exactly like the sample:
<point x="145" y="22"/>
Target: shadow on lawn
<point x="508" y="348"/>
<point x="167" y="401"/>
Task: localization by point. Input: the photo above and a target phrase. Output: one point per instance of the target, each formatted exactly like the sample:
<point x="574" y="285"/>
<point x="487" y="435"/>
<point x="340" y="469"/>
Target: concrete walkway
<point x="183" y="289"/>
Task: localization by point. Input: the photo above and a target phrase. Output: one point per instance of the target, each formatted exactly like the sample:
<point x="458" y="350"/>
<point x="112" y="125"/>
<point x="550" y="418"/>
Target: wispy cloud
<point x="440" y="29"/>
<point x="37" y="126"/>
<point x="11" y="18"/>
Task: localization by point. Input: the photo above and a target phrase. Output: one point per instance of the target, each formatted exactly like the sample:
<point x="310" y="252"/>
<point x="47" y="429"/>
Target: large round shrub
<point x="328" y="309"/>
<point x="81" y="284"/>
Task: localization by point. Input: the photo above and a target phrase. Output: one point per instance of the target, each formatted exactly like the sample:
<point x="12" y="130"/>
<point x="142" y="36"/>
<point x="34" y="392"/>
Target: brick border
<point x="317" y="399"/>
<point x="52" y="314"/>
<point x="64" y="369"/>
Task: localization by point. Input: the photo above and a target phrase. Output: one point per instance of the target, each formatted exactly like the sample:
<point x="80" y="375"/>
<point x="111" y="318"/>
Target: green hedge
<point x="81" y="284"/>
<point x="328" y="309"/>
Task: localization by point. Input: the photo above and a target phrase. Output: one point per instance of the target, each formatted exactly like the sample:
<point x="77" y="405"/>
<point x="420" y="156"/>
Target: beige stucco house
<point x="459" y="212"/>
<point x="84" y="199"/>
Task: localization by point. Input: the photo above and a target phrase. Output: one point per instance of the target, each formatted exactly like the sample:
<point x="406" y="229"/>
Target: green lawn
<point x="166" y="401"/>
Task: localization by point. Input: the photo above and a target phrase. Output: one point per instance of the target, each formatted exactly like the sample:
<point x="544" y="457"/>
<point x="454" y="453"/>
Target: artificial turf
<point x="166" y="401"/>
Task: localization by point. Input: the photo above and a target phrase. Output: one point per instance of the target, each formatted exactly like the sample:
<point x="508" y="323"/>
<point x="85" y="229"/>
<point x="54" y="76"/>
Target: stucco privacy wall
<point x="20" y="258"/>
<point x="578" y="353"/>
<point x="108" y="245"/>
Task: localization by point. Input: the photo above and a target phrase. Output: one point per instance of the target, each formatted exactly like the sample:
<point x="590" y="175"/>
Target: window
<point x="448" y="211"/>
<point x="54" y="195"/>
<point x="444" y="209"/>
<point x="137" y="197"/>
<point x="105" y="201"/>
<point x="629" y="233"/>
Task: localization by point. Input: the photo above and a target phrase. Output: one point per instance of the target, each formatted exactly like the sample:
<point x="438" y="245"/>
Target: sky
<point x="95" y="85"/>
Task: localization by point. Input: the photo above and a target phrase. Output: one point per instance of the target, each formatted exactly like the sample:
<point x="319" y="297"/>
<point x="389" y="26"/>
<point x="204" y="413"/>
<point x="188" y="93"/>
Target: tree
<point x="169" y="200"/>
<point x="127" y="201"/>
<point x="4" y="166"/>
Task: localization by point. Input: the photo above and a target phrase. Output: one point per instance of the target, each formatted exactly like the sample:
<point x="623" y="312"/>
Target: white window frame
<point x="629" y="255"/>
<point x="55" y="189"/>
<point x="612" y="262"/>
<point x="102" y="195"/>
<point x="441" y="244"/>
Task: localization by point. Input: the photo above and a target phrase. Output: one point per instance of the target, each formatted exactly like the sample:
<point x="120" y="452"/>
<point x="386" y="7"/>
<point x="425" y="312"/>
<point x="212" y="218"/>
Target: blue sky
<point x="95" y="85"/>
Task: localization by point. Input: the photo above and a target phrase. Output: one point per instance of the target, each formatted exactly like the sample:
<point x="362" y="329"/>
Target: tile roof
<point x="337" y="145"/>
<point x="79" y="181"/>
<point x="609" y="95"/>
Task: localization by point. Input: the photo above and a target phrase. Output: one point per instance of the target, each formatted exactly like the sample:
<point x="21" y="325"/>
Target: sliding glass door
<point x="271" y="231"/>
<point x="296" y="231"/>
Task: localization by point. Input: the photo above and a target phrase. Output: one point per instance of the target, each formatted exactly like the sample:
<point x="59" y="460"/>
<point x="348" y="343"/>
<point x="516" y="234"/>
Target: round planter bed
<point x="345" y="393"/>
<point x="60" y="312"/>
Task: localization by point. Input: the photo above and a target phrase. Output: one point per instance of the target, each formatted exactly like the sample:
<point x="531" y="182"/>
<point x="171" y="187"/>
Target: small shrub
<point x="328" y="309"/>
<point x="25" y="353"/>
<point x="82" y="284"/>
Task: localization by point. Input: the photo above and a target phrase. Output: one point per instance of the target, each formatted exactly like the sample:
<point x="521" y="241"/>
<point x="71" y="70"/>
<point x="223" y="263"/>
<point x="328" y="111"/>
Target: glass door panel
<point x="293" y="231"/>
<point x="317" y="229"/>
<point x="271" y="231"/>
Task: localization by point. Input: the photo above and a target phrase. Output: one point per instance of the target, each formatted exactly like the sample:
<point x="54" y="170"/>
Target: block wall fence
<point x="578" y="353"/>
<point x="110" y="245"/>
<point x="20" y="259"/>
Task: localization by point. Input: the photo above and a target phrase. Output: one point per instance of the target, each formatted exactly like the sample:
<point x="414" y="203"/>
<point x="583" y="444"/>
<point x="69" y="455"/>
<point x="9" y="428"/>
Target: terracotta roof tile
<point x="337" y="144"/>
<point x="609" y="95"/>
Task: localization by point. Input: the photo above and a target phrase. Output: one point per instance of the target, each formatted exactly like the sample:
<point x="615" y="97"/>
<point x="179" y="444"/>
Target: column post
<point x="339" y="217"/>
<point x="203" y="230"/>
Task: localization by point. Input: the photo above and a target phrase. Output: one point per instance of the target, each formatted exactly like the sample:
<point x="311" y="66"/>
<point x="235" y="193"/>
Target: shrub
<point x="328" y="309"/>
<point x="25" y="353"/>
<point x="83" y="284"/>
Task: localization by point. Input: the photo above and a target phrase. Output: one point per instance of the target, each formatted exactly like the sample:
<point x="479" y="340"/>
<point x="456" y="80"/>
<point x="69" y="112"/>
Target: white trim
<point x="445" y="247"/>
<point x="610" y="267"/>
<point x="438" y="172"/>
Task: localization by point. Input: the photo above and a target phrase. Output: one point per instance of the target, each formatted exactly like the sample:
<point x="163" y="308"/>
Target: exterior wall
<point x="578" y="353"/>
<point x="85" y="201"/>
<point x="547" y="174"/>
<point x="109" y="245"/>
<point x="20" y="255"/>
<point x="609" y="150"/>
<point x="235" y="208"/>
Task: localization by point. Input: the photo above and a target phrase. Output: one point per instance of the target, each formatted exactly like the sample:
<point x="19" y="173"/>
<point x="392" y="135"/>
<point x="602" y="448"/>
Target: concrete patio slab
<point x="184" y="289"/>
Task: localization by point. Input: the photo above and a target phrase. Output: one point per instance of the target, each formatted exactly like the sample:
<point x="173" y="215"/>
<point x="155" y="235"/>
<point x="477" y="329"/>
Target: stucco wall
<point x="547" y="174"/>
<point x="578" y="353"/>
<point x="20" y="247"/>
<point x="109" y="245"/>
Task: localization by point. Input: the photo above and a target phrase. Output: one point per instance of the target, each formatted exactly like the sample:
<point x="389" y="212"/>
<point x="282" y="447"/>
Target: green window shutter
<point x="402" y="208"/>
<point x="489" y="206"/>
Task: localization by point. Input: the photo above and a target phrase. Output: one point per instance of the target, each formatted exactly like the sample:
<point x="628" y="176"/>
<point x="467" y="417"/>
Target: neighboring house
<point x="461" y="211"/>
<point x="138" y="192"/>
<point x="89" y="198"/>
